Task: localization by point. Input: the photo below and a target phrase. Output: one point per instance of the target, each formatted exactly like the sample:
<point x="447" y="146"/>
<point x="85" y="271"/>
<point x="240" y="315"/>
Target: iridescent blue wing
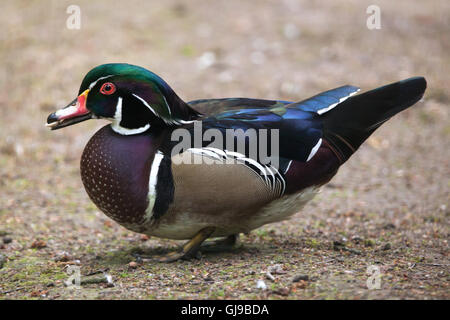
<point x="297" y="133"/>
<point x="299" y="124"/>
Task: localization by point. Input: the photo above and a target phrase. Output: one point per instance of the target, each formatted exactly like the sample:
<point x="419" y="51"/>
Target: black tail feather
<point x="348" y="125"/>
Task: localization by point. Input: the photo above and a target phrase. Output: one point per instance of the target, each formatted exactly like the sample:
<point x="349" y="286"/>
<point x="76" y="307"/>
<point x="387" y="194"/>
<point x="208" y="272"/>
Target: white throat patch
<point x="118" y="118"/>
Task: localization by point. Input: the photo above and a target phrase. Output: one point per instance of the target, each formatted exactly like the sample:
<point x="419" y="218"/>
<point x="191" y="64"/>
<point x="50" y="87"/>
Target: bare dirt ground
<point x="387" y="207"/>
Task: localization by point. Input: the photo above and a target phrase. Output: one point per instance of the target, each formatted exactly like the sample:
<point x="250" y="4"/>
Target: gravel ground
<point x="388" y="206"/>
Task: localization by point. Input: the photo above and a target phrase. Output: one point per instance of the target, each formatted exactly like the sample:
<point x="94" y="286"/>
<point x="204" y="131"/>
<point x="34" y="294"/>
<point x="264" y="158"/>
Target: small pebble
<point x="338" y="245"/>
<point x="206" y="60"/>
<point x="389" y="226"/>
<point x="109" y="281"/>
<point x="300" y="277"/>
<point x="2" y="260"/>
<point x="38" y="244"/>
<point x="302" y="284"/>
<point x="356" y="239"/>
<point x="276" y="269"/>
<point x="260" y="284"/>
<point x="282" y="291"/>
<point x="269" y="276"/>
<point x="7" y="240"/>
<point x="63" y="257"/>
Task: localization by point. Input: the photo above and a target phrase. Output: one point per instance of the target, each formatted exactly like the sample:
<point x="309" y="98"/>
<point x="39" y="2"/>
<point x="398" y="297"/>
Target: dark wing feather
<point x="215" y="106"/>
<point x="299" y="124"/>
<point x="297" y="131"/>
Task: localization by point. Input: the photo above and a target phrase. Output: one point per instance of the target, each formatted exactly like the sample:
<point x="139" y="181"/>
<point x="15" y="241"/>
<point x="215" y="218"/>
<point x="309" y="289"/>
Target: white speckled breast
<point x="115" y="172"/>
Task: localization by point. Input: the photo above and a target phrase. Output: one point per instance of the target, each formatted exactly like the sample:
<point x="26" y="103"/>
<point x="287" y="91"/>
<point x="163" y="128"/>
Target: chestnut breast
<point x="115" y="172"/>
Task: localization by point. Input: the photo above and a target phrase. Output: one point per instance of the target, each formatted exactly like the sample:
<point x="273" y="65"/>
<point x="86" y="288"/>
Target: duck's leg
<point x="228" y="243"/>
<point x="190" y="248"/>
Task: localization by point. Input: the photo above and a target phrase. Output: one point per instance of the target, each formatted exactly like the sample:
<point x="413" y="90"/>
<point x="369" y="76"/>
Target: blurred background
<point x="270" y="49"/>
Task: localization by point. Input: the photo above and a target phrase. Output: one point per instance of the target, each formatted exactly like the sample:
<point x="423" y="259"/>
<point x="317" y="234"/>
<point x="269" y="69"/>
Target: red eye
<point x="108" y="88"/>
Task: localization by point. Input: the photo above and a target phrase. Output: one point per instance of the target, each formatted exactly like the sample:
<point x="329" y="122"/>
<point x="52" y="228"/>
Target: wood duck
<point x="136" y="173"/>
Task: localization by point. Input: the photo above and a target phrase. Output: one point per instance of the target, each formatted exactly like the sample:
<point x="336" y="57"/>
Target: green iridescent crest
<point x="141" y="84"/>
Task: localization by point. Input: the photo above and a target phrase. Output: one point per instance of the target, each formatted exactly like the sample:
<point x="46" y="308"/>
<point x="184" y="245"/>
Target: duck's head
<point x="132" y="98"/>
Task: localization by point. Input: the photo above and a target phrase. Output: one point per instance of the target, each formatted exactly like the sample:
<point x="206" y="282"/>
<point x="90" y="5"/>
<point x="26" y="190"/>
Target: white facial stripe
<point x="118" y="118"/>
<point x="167" y="105"/>
<point x="146" y="104"/>
<point x="95" y="82"/>
<point x="314" y="150"/>
<point x="152" y="181"/>
<point x="168" y="121"/>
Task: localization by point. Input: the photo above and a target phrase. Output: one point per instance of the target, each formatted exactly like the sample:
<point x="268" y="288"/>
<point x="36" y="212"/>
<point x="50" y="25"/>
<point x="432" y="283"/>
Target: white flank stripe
<point x="314" y="150"/>
<point x="283" y="187"/>
<point x="276" y="184"/>
<point x="288" y="166"/>
<point x="152" y="181"/>
<point x="273" y="177"/>
<point x="218" y="151"/>
<point x="204" y="152"/>
<point x="240" y="156"/>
